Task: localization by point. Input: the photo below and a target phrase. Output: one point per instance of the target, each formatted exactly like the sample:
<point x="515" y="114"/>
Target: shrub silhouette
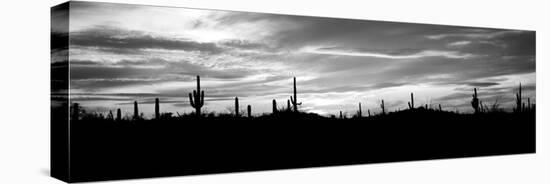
<point x="75" y="113"/>
<point x="110" y="116"/>
<point x="528" y="104"/>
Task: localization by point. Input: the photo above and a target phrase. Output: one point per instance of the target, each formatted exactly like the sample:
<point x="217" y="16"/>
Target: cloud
<point x="459" y="43"/>
<point x="244" y="44"/>
<point x="411" y="55"/>
<point x="481" y="84"/>
<point x="490" y="43"/>
<point x="483" y="34"/>
<point x="118" y="40"/>
<point x="95" y="75"/>
<point x="255" y="56"/>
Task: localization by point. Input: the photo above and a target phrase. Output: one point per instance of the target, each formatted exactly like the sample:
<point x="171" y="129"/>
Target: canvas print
<point x="146" y="91"/>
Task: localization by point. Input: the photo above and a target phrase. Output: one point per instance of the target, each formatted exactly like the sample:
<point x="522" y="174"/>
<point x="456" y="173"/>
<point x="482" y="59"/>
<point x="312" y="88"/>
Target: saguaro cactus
<point x="359" y="113"/>
<point x="236" y="107"/>
<point x="157" y="109"/>
<point x="294" y="100"/>
<point x="341" y="117"/>
<point x="274" y="107"/>
<point x="118" y="115"/>
<point x="136" y="112"/>
<point x="249" y="110"/>
<point x="197" y="98"/>
<point x="411" y="103"/>
<point x="383" y="107"/>
<point x="475" y="101"/>
<point x="440" y="107"/>
<point x="518" y="100"/>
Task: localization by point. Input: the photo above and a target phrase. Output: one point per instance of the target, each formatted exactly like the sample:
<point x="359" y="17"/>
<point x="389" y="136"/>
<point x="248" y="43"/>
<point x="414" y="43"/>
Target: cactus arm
<point x="191" y="100"/>
<point x="202" y="99"/>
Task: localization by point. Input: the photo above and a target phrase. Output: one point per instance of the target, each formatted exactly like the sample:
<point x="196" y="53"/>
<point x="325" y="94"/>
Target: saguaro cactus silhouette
<point x="411" y="103"/>
<point x="294" y="100"/>
<point x="136" y="112"/>
<point x="368" y="112"/>
<point x="440" y="107"/>
<point x="383" y="107"/>
<point x="518" y="100"/>
<point x="475" y="101"/>
<point x="274" y="108"/>
<point x="197" y="98"/>
<point x="359" y="113"/>
<point x="236" y="107"/>
<point x="118" y="115"/>
<point x="341" y="117"/>
<point x="249" y="110"/>
<point x="157" y="109"/>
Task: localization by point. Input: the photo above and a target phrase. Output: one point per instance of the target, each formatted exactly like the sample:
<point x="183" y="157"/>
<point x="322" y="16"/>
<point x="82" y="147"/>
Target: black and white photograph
<point x="147" y="91"/>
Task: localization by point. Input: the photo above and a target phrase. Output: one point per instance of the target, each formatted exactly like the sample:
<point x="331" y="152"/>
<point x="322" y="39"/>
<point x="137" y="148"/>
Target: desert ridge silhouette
<point x="196" y="143"/>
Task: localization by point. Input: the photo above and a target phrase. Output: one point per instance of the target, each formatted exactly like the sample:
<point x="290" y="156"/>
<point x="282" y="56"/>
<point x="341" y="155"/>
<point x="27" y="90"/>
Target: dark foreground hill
<point x="104" y="149"/>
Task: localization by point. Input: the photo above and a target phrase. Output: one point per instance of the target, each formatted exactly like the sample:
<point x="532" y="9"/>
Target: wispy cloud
<point x="415" y="55"/>
<point x="476" y="35"/>
<point x="108" y="37"/>
<point x="459" y="43"/>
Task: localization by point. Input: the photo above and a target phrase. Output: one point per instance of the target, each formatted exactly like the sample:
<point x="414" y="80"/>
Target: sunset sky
<point x="121" y="53"/>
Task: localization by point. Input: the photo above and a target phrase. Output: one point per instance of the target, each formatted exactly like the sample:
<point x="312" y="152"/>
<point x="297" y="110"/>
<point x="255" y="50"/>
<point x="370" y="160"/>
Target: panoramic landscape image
<point x="161" y="91"/>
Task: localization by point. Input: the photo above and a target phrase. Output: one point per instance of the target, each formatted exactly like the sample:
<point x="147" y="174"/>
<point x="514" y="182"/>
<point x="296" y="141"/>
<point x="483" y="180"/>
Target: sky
<point x="120" y="53"/>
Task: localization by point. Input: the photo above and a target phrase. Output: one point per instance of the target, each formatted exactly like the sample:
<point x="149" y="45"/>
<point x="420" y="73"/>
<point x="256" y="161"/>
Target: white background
<point x="24" y="99"/>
